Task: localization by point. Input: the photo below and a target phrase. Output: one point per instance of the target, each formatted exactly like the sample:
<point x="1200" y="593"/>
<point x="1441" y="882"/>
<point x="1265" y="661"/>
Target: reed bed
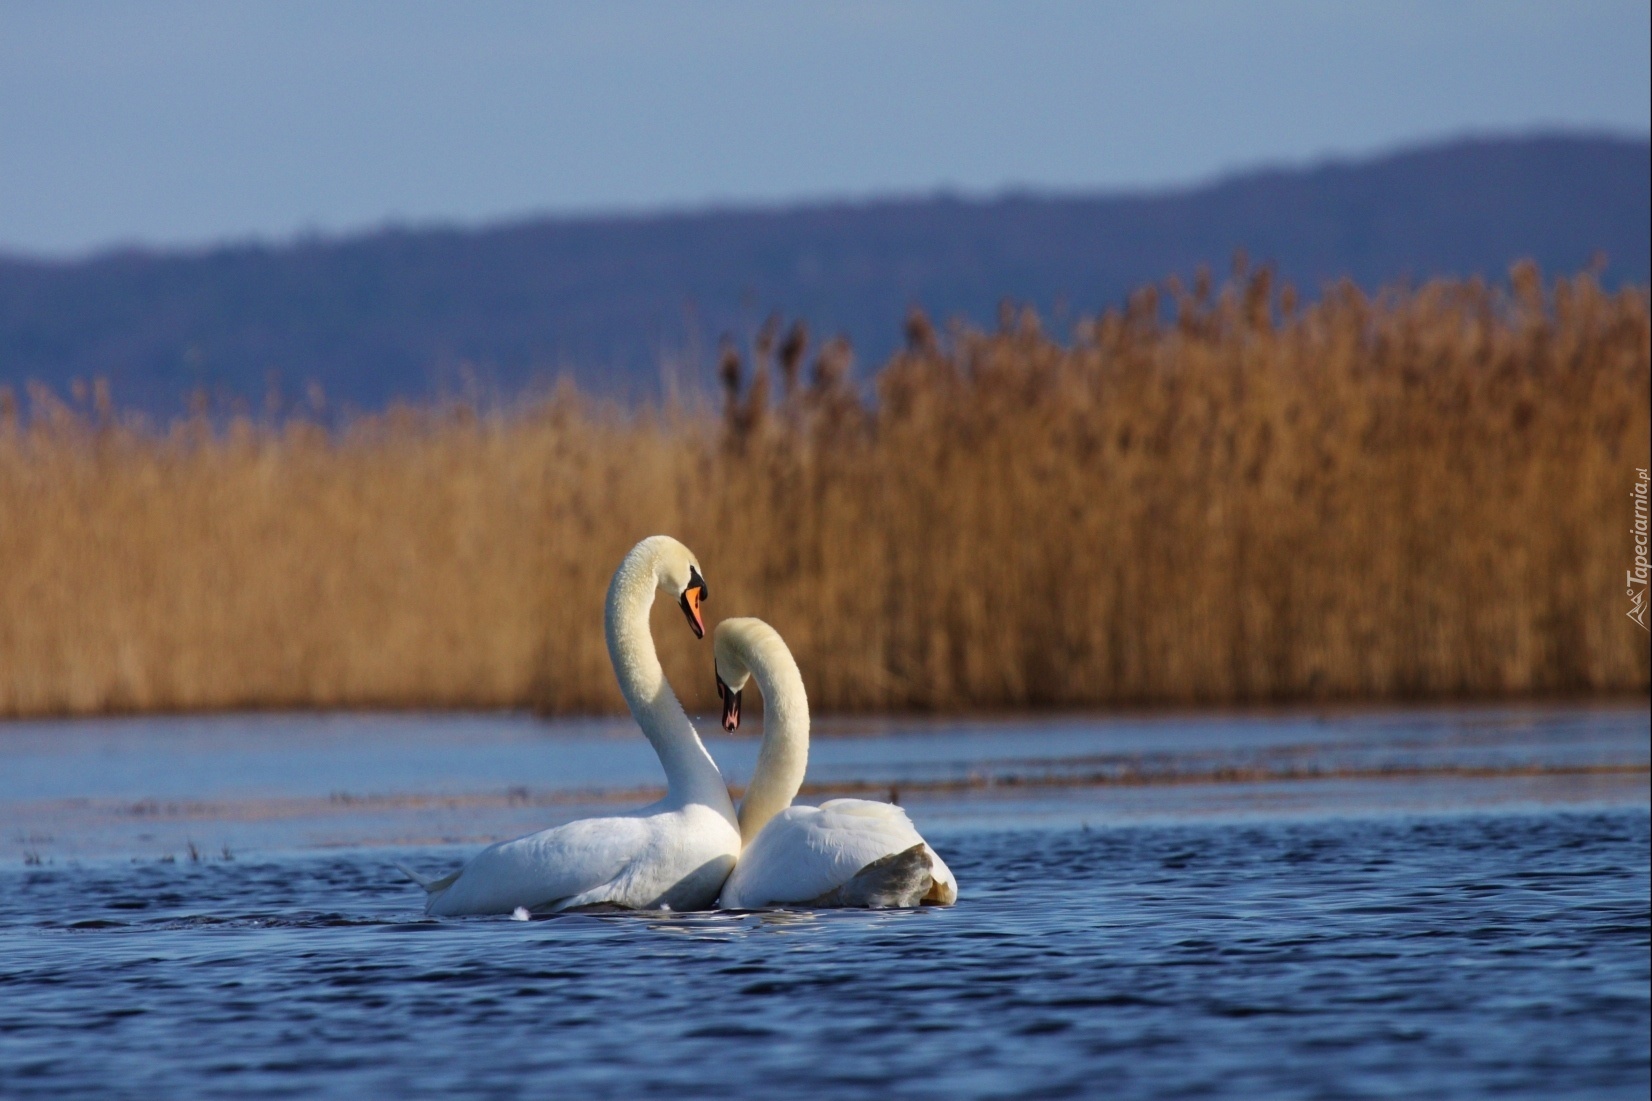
<point x="1207" y="497"/>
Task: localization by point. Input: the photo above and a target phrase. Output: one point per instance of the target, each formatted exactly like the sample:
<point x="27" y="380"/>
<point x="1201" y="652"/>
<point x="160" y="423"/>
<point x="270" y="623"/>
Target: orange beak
<point x="692" y="597"/>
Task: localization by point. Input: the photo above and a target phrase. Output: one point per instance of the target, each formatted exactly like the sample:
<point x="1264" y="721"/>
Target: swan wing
<point x="805" y="853"/>
<point x="670" y="859"/>
<point x="543" y="870"/>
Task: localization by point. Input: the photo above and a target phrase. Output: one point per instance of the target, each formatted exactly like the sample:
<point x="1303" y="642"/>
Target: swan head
<point x="677" y="572"/>
<point x="732" y="671"/>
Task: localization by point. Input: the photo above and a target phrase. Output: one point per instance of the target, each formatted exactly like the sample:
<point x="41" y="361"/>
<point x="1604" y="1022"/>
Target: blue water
<point x="1453" y="936"/>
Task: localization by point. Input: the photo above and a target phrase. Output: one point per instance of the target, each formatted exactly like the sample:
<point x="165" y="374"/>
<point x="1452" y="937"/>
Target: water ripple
<point x="1444" y="956"/>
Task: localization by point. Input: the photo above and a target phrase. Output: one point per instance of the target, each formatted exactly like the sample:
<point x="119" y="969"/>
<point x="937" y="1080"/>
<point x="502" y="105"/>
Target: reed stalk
<point x="1207" y="497"/>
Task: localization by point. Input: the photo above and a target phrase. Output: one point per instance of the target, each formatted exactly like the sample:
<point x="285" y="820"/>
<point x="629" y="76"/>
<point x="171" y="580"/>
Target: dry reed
<point x="1420" y="495"/>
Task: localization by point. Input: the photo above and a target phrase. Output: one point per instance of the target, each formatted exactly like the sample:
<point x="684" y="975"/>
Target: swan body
<point x="845" y="852"/>
<point x="674" y="854"/>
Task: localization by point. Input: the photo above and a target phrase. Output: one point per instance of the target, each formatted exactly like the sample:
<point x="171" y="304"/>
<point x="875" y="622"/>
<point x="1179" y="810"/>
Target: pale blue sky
<point x="184" y="123"/>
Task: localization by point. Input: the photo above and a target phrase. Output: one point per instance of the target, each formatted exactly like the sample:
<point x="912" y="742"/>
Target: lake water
<point x="1340" y="904"/>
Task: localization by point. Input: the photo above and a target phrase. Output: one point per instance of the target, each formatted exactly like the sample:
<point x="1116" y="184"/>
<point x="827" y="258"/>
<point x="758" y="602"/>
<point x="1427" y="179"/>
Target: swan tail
<point x="897" y="881"/>
<point x="432" y="885"/>
<point x="943" y="890"/>
<point x="941" y="893"/>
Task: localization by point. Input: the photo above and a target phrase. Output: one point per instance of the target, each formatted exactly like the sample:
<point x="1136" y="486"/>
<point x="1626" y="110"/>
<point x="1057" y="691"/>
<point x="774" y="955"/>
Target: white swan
<point x="845" y="852"/>
<point x="674" y="854"/>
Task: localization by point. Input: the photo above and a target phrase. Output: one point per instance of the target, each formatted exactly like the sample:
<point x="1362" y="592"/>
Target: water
<point x="1448" y="903"/>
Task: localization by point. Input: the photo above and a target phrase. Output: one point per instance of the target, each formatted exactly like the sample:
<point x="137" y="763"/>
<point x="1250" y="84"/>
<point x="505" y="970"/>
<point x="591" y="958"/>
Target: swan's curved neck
<point x="691" y="775"/>
<point x="784" y="757"/>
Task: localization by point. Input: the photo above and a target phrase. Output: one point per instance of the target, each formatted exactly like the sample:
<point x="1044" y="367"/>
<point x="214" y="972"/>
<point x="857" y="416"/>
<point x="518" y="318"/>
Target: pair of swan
<point x="691" y="850"/>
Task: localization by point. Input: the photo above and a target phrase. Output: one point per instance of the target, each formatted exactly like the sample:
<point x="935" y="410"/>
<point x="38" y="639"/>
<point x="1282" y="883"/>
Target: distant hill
<point x="401" y="312"/>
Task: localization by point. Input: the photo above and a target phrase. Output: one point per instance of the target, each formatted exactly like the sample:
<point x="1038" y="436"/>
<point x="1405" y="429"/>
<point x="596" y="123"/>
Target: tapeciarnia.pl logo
<point x="1638" y="575"/>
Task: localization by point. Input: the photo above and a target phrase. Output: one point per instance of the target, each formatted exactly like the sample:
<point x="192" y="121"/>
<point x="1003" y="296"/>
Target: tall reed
<point x="1219" y="497"/>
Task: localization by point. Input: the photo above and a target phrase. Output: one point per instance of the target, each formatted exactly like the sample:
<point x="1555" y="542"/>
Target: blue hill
<point x="412" y="312"/>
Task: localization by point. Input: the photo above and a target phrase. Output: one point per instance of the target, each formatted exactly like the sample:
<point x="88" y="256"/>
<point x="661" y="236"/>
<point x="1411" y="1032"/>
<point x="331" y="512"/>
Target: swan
<point x="672" y="855"/>
<point x="845" y="852"/>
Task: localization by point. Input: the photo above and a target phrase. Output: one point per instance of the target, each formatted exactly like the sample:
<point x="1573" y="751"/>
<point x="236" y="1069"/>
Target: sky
<point x="169" y="123"/>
